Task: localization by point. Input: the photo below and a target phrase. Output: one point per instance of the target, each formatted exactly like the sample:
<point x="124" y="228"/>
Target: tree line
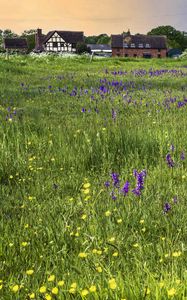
<point x="175" y="38"/>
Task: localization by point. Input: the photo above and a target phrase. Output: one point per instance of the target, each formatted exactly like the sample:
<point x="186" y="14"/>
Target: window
<point x="125" y="45"/>
<point x="147" y="46"/>
<point x="55" y="44"/>
<point x="132" y="45"/>
<point x="62" y="44"/>
<point x="73" y="45"/>
<point x="140" y="45"/>
<point x="126" y="55"/>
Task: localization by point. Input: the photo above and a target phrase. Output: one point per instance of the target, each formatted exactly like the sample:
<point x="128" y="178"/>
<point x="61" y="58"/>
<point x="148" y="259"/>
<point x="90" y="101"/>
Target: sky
<point x="92" y="16"/>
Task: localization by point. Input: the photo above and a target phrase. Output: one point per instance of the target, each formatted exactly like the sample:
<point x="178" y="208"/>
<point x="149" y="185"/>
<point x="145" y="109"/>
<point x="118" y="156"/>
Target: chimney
<point x="38" y="41"/>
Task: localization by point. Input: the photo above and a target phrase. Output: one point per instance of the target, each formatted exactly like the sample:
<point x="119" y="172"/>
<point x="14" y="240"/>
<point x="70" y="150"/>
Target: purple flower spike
<point x="125" y="188"/>
<point x="113" y="195"/>
<point x="167" y="207"/>
<point x="107" y="184"/>
<point x="182" y="155"/>
<point x="115" y="179"/>
<point x="169" y="160"/>
<point x="175" y="200"/>
<point x="172" y="148"/>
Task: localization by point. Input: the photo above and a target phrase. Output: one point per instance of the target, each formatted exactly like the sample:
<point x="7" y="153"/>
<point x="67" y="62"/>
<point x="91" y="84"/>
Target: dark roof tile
<point x="15" y="43"/>
<point x="154" y="41"/>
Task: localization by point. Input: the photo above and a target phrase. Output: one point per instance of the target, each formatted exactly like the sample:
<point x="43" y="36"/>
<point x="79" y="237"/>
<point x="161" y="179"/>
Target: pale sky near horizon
<point x="93" y="17"/>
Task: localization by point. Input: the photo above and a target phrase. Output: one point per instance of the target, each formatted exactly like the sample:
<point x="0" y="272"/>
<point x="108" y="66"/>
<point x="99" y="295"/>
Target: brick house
<point x="139" y="45"/>
<point x="58" y="41"/>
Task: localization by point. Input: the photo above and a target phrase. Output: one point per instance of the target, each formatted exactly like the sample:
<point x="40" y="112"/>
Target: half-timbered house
<point x="58" y="41"/>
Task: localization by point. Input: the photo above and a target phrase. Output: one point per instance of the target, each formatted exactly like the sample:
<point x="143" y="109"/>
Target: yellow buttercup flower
<point x="86" y="191"/>
<point x="112" y="239"/>
<point x="51" y="278"/>
<point x="15" y="288"/>
<point x="84" y="293"/>
<point x="29" y="272"/>
<point x="115" y="254"/>
<point x="61" y="283"/>
<point x="112" y="284"/>
<point x="1" y="286"/>
<point x="55" y="291"/>
<point x="99" y="269"/>
<point x="32" y="296"/>
<point x="48" y="297"/>
<point x="92" y="289"/>
<point x="119" y="221"/>
<point x="86" y="185"/>
<point x="108" y="213"/>
<point x="176" y="254"/>
<point x="82" y="255"/>
<point x="83" y="217"/>
<point x="24" y="244"/>
<point x="42" y="289"/>
<point x="171" y="292"/>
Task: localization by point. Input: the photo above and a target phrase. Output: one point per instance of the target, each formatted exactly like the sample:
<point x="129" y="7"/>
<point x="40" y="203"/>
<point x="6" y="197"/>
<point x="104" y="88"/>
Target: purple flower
<point x="83" y="110"/>
<point x="169" y="161"/>
<point x="167" y="207"/>
<point x="139" y="181"/>
<point x="115" y="179"/>
<point x="175" y="200"/>
<point x="172" y="148"/>
<point x="107" y="184"/>
<point x="125" y="188"/>
<point x="113" y="195"/>
<point x="182" y="155"/>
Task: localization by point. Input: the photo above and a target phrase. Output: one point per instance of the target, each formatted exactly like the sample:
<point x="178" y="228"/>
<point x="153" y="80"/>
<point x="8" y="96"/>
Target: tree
<point x="81" y="48"/>
<point x="8" y="33"/>
<point x="30" y="36"/>
<point x="175" y="38"/>
<point x="98" y="39"/>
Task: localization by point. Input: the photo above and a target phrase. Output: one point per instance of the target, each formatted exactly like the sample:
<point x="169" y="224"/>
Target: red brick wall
<point x="139" y="52"/>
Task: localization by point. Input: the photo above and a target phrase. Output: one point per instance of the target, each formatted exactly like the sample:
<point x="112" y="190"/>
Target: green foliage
<point x="81" y="48"/>
<point x="100" y="39"/>
<point x="30" y="36"/>
<point x="175" y="38"/>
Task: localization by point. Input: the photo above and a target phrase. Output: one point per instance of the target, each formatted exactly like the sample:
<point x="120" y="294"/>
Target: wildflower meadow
<point x="93" y="178"/>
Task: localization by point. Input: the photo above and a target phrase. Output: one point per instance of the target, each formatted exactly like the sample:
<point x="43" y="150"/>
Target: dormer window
<point x="147" y="46"/>
<point x="140" y="46"/>
<point x="132" y="45"/>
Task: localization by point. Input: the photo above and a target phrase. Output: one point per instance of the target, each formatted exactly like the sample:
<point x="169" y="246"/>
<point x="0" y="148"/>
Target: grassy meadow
<point x="93" y="179"/>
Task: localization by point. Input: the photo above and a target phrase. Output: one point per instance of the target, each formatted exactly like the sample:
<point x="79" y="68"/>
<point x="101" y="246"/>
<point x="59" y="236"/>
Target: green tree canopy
<point x="30" y="36"/>
<point x="98" y="39"/>
<point x="175" y="38"/>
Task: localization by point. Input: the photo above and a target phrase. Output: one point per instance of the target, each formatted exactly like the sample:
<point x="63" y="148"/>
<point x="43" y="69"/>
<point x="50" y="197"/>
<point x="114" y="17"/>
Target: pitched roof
<point x="67" y="36"/>
<point x="155" y="41"/>
<point x="99" y="47"/>
<point x="15" y="43"/>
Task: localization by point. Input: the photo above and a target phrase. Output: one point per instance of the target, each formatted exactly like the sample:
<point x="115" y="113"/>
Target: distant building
<point x="100" y="49"/>
<point x="58" y="41"/>
<point x="19" y="44"/>
<point x="139" y="45"/>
